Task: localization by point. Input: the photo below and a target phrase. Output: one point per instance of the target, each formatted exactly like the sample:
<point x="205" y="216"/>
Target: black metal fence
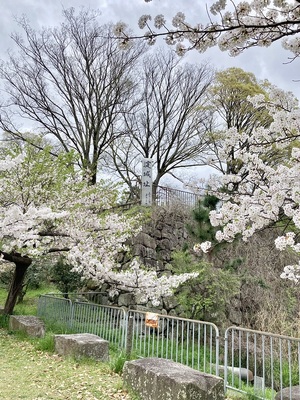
<point x="165" y="196"/>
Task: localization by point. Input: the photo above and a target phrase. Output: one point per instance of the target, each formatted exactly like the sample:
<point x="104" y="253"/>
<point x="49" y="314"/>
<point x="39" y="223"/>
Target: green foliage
<point x="205" y="296"/>
<point x="4" y="321"/>
<point x="6" y="274"/>
<point x="233" y="265"/>
<point x="250" y="393"/>
<point x="46" y="343"/>
<point x="64" y="278"/>
<point x="117" y="361"/>
<point x="229" y="98"/>
<point x="36" y="277"/>
<point x="202" y="228"/>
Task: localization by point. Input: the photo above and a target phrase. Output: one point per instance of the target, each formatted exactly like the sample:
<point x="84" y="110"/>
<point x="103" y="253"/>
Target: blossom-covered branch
<point x="232" y="26"/>
<point x="46" y="207"/>
<point x="266" y="189"/>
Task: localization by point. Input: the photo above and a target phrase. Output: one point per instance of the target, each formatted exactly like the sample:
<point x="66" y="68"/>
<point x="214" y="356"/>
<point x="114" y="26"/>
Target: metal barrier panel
<point x="57" y="310"/>
<point x="260" y="363"/>
<point x="189" y="342"/>
<point x="108" y="322"/>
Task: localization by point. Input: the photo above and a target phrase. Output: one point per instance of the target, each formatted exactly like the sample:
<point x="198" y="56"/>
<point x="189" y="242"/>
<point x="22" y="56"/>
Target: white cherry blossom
<point x="233" y="26"/>
<point x="266" y="188"/>
<point x="45" y="208"/>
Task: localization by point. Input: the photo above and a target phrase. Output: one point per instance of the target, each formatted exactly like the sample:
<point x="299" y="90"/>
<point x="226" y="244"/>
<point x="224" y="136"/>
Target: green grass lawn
<point x="30" y="369"/>
<point x="29" y="304"/>
<point x="29" y="373"/>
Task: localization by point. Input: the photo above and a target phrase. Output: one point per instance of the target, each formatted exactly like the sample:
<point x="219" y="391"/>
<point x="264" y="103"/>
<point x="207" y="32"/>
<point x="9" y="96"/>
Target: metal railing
<point x="80" y="316"/>
<point x="165" y="196"/>
<point x="252" y="362"/>
<point x="55" y="309"/>
<point x="190" y="342"/>
<point x="262" y="361"/>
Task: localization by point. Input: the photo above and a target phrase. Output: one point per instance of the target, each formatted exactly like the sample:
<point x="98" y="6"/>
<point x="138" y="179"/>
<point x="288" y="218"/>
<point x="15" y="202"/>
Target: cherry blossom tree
<point x="232" y="26"/>
<point x="46" y="207"/>
<point x="262" y="193"/>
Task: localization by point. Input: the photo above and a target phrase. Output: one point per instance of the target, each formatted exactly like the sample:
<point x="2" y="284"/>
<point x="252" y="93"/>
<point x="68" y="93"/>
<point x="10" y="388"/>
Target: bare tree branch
<point x="169" y="123"/>
<point x="72" y="82"/>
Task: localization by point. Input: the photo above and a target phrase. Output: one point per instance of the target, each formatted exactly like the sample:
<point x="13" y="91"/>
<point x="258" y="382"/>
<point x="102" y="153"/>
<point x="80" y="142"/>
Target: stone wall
<point x="164" y="233"/>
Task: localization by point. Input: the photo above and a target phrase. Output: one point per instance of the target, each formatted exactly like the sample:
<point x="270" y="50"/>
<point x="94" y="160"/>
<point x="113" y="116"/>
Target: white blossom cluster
<point x="146" y="283"/>
<point x="237" y="26"/>
<point x="291" y="272"/>
<point x="202" y="247"/>
<point x="44" y="207"/>
<point x="266" y="188"/>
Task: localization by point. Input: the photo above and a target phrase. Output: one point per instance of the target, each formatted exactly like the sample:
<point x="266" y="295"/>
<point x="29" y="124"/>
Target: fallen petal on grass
<point x="27" y="373"/>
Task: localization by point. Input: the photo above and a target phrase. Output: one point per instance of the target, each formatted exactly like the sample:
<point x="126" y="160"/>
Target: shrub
<point x="204" y="297"/>
<point x="117" y="362"/>
<point x="64" y="278"/>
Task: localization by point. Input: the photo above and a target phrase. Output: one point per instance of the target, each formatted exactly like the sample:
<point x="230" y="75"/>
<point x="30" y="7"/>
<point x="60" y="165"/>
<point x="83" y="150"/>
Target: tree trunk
<point x="22" y="263"/>
<point x="93" y="179"/>
<point x="91" y="175"/>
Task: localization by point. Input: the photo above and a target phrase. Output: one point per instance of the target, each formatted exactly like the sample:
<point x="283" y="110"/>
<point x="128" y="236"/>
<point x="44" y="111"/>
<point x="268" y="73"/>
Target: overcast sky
<point x="271" y="63"/>
<point x="266" y="63"/>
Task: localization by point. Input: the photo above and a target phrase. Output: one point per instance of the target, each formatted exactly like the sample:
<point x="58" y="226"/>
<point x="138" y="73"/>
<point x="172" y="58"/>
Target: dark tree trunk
<point x="93" y="179"/>
<point x="90" y="174"/>
<point x="22" y="263"/>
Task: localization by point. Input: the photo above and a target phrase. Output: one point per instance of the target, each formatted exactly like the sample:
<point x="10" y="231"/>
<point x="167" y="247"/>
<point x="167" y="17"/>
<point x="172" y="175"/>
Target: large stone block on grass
<point x="160" y="379"/>
<point x="82" y="345"/>
<point x="292" y="393"/>
<point x="30" y="324"/>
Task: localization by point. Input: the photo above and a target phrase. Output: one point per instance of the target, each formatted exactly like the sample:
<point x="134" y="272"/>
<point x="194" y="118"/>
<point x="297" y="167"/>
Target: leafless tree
<point x="73" y="82"/>
<point x="170" y="121"/>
